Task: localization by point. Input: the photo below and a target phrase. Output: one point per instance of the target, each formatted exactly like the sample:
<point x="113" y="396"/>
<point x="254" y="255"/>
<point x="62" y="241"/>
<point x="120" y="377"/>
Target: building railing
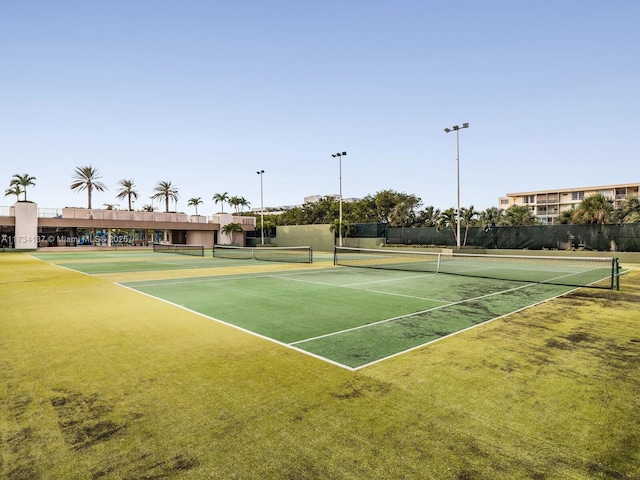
<point x="251" y="221"/>
<point x="126" y="215"/>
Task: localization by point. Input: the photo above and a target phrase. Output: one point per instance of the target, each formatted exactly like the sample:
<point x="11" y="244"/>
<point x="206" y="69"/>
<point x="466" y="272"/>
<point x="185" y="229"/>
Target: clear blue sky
<point x="205" y="93"/>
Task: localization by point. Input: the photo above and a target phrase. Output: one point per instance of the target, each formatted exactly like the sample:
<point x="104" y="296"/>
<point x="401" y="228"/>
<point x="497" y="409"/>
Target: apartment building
<point x="546" y="205"/>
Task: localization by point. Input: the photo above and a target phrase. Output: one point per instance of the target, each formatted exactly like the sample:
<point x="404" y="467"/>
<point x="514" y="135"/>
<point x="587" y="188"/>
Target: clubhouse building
<point x="24" y="226"/>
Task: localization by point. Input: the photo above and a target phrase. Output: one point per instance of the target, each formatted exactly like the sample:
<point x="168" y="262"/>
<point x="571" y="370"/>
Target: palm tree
<point x="166" y="191"/>
<point x="448" y="218"/>
<point x="566" y="216"/>
<point x="148" y="208"/>
<point x="518" y="215"/>
<point x="14" y="190"/>
<point x="243" y="203"/>
<point x="334" y="227"/>
<point x="491" y="217"/>
<point x="401" y="215"/>
<point x="221" y="198"/>
<point x="629" y="211"/>
<point x="596" y="209"/>
<point x="194" y="202"/>
<point x="235" y="202"/>
<point x="23" y="181"/>
<point x="87" y="178"/>
<point x="428" y="217"/>
<point x="231" y="229"/>
<point x="127" y="191"/>
<point x="467" y="217"/>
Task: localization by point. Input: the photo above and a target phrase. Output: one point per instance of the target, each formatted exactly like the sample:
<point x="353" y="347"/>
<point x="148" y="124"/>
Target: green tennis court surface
<point x="347" y="316"/>
<point x="351" y="317"/>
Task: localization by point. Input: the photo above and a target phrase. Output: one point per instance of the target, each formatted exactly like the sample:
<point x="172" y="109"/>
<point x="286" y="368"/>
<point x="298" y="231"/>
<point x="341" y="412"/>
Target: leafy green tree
<point x="386" y="200"/>
<point x="87" y="178"/>
<point x="14" y="190"/>
<point x="166" y="191"/>
<point x="23" y="181"/>
<point x="221" y="198"/>
<point x="127" y="191"/>
<point x="194" y="202"/>
<point x="231" y="229"/>
<point x="596" y="209"/>
<point x="518" y="215"/>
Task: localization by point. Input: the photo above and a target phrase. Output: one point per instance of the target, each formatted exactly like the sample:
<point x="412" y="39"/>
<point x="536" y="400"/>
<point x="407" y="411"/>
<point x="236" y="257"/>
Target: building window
<point x="605" y="193"/>
<point x="504" y="201"/>
<point x="577" y="196"/>
<point x="529" y="199"/>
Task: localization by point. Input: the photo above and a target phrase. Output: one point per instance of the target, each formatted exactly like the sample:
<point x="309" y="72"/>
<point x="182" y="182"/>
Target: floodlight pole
<point x="456" y="128"/>
<point x="340" y="155"/>
<point x="261" y="173"/>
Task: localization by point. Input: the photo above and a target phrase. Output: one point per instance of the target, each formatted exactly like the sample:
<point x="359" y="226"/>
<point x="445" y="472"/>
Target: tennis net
<point x="570" y="271"/>
<point x="271" y="254"/>
<point x="195" y="250"/>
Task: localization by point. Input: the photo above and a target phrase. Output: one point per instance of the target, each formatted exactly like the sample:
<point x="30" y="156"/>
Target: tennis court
<point x="351" y="317"/>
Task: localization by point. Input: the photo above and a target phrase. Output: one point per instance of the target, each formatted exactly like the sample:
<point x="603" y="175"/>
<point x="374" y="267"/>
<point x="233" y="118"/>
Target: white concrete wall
<point x="26" y="214"/>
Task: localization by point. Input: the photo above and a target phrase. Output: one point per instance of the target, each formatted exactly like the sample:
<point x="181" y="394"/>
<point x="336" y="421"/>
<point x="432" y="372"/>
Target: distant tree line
<point x="397" y="209"/>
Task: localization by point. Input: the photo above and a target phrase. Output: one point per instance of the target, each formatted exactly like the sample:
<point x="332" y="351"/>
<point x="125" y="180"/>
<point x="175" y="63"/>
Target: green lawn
<point x="102" y="382"/>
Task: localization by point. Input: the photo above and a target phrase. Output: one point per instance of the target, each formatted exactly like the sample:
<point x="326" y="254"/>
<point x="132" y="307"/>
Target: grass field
<point x="101" y="381"/>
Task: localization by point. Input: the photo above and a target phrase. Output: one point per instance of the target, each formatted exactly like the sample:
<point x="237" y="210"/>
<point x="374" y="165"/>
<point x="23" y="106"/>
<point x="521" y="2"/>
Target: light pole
<point x="457" y="128"/>
<point x="261" y="173"/>
<point x="340" y="155"/>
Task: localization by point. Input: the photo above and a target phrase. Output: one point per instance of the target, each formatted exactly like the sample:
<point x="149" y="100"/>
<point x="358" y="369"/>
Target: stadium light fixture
<point x="261" y="173"/>
<point x="457" y="128"/>
<point x="340" y="155"/>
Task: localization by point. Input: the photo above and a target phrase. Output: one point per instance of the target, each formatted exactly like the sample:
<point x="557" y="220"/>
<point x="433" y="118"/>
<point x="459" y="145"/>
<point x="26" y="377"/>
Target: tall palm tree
<point x="127" y="191"/>
<point x="23" y="181"/>
<point x="87" y="178"/>
<point x="166" y="191"/>
<point x="467" y="217"/>
<point x="221" y="198"/>
<point x="235" y="202"/>
<point x="243" y="203"/>
<point x="448" y="218"/>
<point x="194" y="202"/>
<point x="14" y="190"/>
